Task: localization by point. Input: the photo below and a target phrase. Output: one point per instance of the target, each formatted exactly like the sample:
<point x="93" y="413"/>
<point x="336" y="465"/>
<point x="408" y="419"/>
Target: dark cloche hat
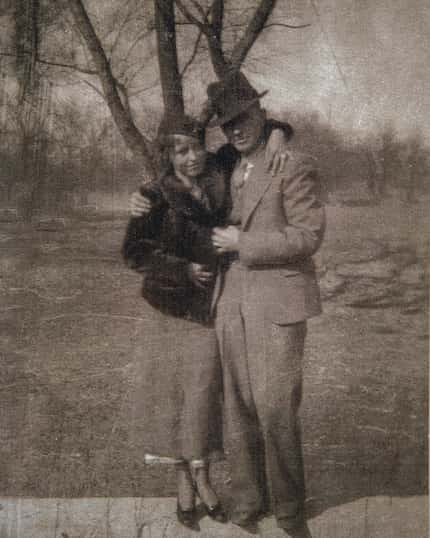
<point x="179" y="124"/>
<point x="230" y="97"/>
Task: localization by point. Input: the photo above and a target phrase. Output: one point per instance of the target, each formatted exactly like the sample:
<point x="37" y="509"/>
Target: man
<point x="268" y="291"/>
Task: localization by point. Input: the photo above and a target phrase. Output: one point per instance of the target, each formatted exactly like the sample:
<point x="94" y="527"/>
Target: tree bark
<point x="122" y="117"/>
<point x="27" y="44"/>
<point x="219" y="62"/>
<point x="168" y="56"/>
<point x="31" y="109"/>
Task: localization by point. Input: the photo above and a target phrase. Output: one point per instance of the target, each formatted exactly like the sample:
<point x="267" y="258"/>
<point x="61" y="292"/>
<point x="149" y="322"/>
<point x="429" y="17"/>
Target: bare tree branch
<point x="55" y="64"/>
<point x="125" y="97"/>
<point x="68" y="66"/>
<point x="139" y="38"/>
<point x="204" y="27"/>
<point x="168" y="56"/>
<point x="212" y="31"/>
<point x="284" y="25"/>
<point x="144" y="89"/>
<point x="93" y="86"/>
<point x="130" y="16"/>
<point x="122" y="117"/>
<point x="253" y="30"/>
<point x="219" y="62"/>
<point x="217" y="12"/>
<point x="201" y="11"/>
<point x="118" y="35"/>
<point x="193" y="55"/>
<point x="197" y="42"/>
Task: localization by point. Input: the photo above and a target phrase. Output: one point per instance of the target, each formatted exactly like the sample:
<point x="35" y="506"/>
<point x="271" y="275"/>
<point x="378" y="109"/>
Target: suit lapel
<point x="253" y="191"/>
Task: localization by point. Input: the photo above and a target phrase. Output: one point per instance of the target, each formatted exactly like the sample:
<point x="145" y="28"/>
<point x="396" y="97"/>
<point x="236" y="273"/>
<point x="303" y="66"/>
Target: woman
<point x="169" y="242"/>
<point x="168" y="246"/>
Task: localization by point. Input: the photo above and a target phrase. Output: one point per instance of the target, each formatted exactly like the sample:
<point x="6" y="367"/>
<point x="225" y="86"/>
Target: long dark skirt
<point x="176" y="399"/>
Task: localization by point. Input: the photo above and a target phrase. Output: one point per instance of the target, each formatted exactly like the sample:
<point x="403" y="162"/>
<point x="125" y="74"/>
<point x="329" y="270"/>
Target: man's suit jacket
<point x="283" y="223"/>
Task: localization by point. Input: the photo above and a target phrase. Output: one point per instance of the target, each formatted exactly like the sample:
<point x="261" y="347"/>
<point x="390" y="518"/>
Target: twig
<point x="84" y="70"/>
<point x="197" y="42"/>
<point x="252" y="32"/>
<point x="94" y="87"/>
<point x="123" y="91"/>
<point x="202" y="12"/>
<point x="144" y="89"/>
<point x="205" y="28"/>
<point x="286" y="25"/>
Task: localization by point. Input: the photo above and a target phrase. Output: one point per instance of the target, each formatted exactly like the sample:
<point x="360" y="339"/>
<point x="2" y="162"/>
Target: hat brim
<point x="219" y="121"/>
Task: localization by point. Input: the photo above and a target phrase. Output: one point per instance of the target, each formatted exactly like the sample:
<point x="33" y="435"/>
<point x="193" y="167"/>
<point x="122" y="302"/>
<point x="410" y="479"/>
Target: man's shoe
<point x="246" y="520"/>
<point x="217" y="512"/>
<point x="294" y="527"/>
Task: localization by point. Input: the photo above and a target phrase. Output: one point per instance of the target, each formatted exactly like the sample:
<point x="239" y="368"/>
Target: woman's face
<point x="188" y="156"/>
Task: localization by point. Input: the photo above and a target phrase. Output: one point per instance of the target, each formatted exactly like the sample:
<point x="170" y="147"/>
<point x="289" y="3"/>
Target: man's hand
<point x="276" y="154"/>
<point x="139" y="205"/>
<point x="226" y="239"/>
<point x="199" y="275"/>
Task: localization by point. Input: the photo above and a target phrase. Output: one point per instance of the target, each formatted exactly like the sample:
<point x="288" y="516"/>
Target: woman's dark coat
<point x="177" y="231"/>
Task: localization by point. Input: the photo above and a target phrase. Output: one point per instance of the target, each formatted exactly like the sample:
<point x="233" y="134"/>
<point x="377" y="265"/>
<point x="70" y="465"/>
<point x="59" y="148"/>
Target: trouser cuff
<point x="289" y="509"/>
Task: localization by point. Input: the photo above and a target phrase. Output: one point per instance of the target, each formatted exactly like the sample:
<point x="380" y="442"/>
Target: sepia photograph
<point x="214" y="257"/>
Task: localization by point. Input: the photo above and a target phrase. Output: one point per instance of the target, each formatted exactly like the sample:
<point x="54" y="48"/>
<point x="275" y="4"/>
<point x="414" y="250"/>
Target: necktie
<point x="242" y="174"/>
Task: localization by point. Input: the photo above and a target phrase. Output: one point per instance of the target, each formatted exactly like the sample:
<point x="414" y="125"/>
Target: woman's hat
<point x="230" y="97"/>
<point x="179" y="124"/>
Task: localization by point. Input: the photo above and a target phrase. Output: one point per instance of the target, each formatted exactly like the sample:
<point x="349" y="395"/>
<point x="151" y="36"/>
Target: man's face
<point x="188" y="156"/>
<point x="245" y="131"/>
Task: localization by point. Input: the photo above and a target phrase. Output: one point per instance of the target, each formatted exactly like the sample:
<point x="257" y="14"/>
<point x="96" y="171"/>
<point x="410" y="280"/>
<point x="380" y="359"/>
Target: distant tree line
<point x="54" y="152"/>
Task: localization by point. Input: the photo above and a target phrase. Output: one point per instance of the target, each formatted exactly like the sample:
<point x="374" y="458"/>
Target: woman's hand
<point x="276" y="153"/>
<point x="199" y="275"/>
<point x="139" y="205"/>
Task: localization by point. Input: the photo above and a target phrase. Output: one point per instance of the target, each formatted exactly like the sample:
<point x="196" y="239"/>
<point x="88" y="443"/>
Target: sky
<point x="362" y="64"/>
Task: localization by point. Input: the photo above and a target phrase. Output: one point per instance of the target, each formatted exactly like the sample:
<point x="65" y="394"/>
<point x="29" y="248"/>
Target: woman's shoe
<point x="188" y="518"/>
<point x="217" y="512"/>
<point x="186" y="496"/>
<point x="208" y="497"/>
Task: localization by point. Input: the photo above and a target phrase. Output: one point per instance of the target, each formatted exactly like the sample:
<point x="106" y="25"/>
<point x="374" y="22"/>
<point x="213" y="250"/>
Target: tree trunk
<point x="134" y="139"/>
<point x="27" y="45"/>
<point x="27" y="14"/>
<point x="253" y="30"/>
<point x="214" y="39"/>
<point x="168" y="56"/>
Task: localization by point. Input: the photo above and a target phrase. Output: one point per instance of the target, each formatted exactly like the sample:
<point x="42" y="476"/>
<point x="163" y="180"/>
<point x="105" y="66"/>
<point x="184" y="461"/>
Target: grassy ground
<point x="72" y="326"/>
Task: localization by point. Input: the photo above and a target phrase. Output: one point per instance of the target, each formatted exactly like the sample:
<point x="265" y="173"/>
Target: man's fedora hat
<point x="230" y="97"/>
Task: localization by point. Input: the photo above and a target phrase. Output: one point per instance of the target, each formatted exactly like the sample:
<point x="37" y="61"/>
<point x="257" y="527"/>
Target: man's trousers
<point x="262" y="376"/>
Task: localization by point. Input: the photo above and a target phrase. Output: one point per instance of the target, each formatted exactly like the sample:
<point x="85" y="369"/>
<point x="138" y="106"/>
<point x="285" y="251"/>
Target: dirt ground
<point x="72" y="326"/>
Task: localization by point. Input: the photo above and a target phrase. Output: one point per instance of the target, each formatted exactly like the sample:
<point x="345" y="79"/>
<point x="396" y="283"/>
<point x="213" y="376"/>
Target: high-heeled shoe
<point x="188" y="518"/>
<point x="216" y="511"/>
<point x="187" y="494"/>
